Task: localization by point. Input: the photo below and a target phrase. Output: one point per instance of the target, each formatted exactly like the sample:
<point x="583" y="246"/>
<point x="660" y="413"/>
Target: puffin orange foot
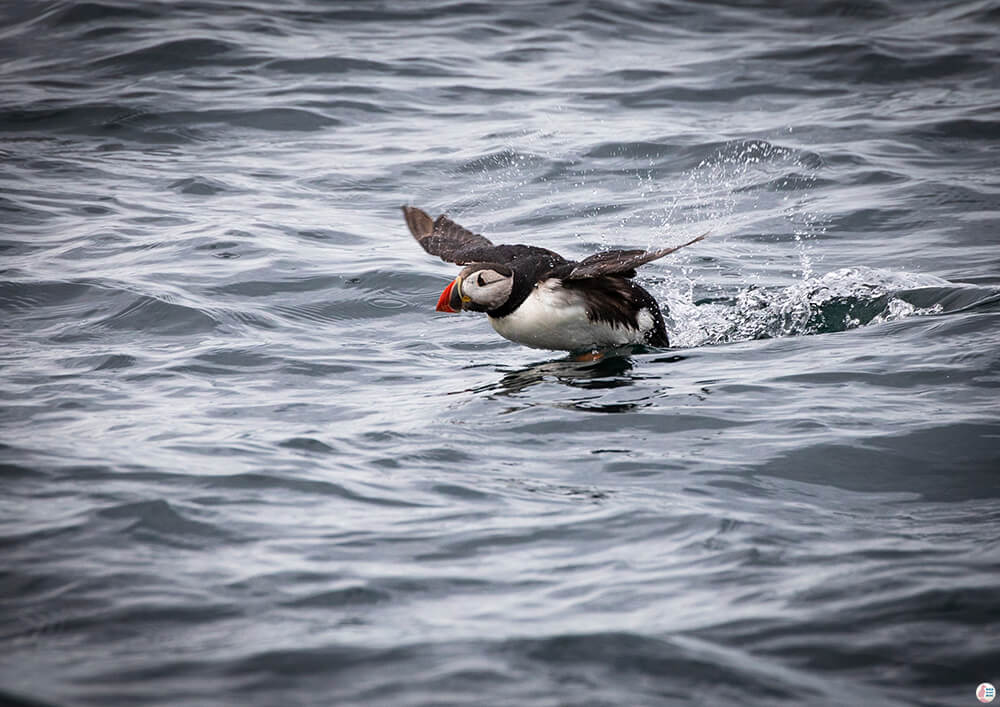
<point x="589" y="356"/>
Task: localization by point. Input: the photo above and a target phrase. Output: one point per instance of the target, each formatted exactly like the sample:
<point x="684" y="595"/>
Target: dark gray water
<point x="244" y="462"/>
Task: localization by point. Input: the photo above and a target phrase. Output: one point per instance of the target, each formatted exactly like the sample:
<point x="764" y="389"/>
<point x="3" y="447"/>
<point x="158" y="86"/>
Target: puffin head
<point x="481" y="287"/>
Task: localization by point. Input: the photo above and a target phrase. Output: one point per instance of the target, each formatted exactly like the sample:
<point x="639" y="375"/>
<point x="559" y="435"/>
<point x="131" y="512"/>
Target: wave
<point x="837" y="301"/>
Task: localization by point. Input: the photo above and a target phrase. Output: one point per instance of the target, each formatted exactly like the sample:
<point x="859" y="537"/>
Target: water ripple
<point x="246" y="462"/>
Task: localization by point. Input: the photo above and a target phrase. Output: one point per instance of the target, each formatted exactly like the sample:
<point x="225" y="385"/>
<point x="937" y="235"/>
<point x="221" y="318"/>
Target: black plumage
<point x="617" y="300"/>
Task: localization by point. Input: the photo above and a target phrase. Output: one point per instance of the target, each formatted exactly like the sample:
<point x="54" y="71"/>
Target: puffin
<point x="535" y="297"/>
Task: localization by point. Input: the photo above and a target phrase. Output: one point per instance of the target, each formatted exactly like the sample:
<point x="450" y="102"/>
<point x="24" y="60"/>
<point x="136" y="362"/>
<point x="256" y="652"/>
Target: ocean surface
<point x="245" y="462"/>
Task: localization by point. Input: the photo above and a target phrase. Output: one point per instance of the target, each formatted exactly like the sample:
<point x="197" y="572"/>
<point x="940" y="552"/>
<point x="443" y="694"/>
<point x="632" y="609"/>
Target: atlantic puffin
<point x="537" y="298"/>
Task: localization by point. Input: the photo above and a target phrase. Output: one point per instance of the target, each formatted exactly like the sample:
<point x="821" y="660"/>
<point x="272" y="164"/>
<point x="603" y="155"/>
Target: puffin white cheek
<point x="501" y="292"/>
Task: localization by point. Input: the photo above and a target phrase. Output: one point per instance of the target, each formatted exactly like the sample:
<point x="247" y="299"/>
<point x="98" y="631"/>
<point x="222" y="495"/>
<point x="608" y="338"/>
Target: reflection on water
<point x="609" y="372"/>
<point x="606" y="372"/>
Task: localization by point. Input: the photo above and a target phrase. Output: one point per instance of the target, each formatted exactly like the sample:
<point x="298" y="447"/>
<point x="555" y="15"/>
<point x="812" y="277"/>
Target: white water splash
<point x="839" y="300"/>
<point x="760" y="188"/>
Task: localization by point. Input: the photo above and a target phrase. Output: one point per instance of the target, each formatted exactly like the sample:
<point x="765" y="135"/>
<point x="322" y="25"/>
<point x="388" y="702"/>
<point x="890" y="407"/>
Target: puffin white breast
<point x="552" y="317"/>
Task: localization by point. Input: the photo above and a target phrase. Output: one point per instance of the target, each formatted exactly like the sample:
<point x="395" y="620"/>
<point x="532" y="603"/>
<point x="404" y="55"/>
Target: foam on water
<point x="837" y="301"/>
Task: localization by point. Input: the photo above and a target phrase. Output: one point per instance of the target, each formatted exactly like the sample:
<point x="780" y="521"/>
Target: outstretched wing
<point x="445" y="238"/>
<point x="621" y="262"/>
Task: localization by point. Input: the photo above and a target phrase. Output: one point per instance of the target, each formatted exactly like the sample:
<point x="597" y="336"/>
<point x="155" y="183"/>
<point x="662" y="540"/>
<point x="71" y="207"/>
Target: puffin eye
<point x="480" y="281"/>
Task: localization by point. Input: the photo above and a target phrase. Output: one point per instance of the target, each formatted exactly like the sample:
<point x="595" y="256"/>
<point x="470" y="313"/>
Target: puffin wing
<point x="621" y="262"/>
<point x="446" y="239"/>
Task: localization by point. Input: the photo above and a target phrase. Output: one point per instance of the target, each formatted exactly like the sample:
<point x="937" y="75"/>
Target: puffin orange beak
<point x="451" y="298"/>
